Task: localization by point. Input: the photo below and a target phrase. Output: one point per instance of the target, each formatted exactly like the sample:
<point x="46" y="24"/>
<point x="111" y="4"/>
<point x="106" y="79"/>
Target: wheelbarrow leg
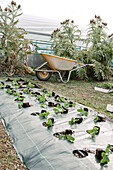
<point x="61" y="78"/>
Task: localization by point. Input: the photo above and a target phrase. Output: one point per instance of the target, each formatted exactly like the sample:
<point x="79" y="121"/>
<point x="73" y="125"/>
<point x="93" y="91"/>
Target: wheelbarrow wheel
<point x="43" y="75"/>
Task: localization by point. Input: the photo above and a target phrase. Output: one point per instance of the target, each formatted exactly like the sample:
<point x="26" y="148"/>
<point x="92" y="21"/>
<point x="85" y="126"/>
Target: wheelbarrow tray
<point x="58" y="63"/>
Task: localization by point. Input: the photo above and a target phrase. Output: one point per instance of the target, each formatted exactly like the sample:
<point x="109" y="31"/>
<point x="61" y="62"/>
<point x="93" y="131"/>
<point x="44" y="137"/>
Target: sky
<point x="81" y="11"/>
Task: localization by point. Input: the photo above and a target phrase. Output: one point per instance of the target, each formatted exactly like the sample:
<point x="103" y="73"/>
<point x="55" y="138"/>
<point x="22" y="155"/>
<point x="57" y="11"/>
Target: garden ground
<point x="79" y="91"/>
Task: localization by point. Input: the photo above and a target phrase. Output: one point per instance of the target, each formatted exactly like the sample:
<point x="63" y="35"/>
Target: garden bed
<point x="44" y="149"/>
<point x="103" y="90"/>
<point x="105" y="87"/>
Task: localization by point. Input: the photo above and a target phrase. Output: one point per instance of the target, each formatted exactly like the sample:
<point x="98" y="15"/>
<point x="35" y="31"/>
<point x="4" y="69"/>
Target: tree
<point x="14" y="45"/>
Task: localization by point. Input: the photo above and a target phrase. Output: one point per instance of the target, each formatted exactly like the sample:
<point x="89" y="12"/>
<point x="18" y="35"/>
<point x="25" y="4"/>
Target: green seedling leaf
<point x="72" y="121"/>
<point x="93" y="131"/>
<point x="70" y="138"/>
<point x="2" y="86"/>
<point x="30" y="85"/>
<point x="61" y="136"/>
<point x="60" y="99"/>
<point x="20" y="105"/>
<point x="82" y="112"/>
<point x="49" y="94"/>
<point x="44" y="114"/>
<point x="43" y="105"/>
<point x="56" y="110"/>
<point x="27" y="90"/>
<point x="96" y="118"/>
<point x="16" y="93"/>
<point x="49" y="123"/>
<point x="44" y="90"/>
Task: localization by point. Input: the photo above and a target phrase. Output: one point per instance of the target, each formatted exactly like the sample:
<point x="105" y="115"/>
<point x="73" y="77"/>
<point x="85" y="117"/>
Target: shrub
<point x="13" y="43"/>
<point x="64" y="40"/>
<point x="99" y="50"/>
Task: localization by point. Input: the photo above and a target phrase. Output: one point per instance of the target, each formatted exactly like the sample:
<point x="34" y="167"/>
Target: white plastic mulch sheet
<point x="36" y="145"/>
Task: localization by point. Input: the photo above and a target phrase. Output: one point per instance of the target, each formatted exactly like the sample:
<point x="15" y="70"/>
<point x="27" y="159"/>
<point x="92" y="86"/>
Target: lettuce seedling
<point x="30" y="85"/>
<point x="49" y="123"/>
<point x="27" y="90"/>
<point x="15" y="93"/>
<point x="49" y="94"/>
<point x="57" y="109"/>
<point x="19" y="98"/>
<point x="60" y="99"/>
<point x="2" y="86"/>
<point x="82" y="112"/>
<point x="9" y="91"/>
<point x="42" y="98"/>
<point x="20" y="105"/>
<point x="67" y="137"/>
<point x="43" y="105"/>
<point x="73" y="121"/>
<point x="93" y="131"/>
<point x="67" y="104"/>
<point x="44" y="90"/>
<point x="44" y="115"/>
<point x="15" y="83"/>
<point x="96" y="118"/>
<point x="105" y="155"/>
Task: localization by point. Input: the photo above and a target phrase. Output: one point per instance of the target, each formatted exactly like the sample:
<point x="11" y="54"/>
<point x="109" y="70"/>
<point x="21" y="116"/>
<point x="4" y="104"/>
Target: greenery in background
<point x="15" y="47"/>
<point x="106" y="85"/>
<point x="99" y="51"/>
<point x="64" y="39"/>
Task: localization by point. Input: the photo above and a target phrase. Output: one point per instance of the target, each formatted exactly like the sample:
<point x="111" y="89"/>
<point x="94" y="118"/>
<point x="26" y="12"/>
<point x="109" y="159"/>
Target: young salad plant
<point x="41" y="98"/>
<point x="9" y="91"/>
<point x="105" y="155"/>
<point x="44" y="90"/>
<point x="27" y="90"/>
<point x="19" y="98"/>
<point x="30" y="85"/>
<point x="73" y="120"/>
<point x="60" y="99"/>
<point x="49" y="123"/>
<point x="57" y="109"/>
<point x="15" y="93"/>
<point x="44" y="115"/>
<point x="67" y="104"/>
<point x="2" y="86"/>
<point x="96" y="118"/>
<point x="93" y="131"/>
<point x="20" y="105"/>
<point x="67" y="137"/>
<point x="44" y="105"/>
<point x="82" y="112"/>
<point x="49" y="94"/>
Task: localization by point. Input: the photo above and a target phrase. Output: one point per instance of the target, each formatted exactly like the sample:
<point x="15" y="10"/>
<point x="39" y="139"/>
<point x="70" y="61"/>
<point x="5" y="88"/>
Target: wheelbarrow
<point x="56" y="64"/>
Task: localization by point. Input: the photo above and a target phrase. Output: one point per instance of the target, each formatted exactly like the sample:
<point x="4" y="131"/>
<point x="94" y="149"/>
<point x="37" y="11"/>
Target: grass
<point x="82" y="92"/>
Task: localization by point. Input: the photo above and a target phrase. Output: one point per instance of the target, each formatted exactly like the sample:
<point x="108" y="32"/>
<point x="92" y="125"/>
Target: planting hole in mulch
<point x="51" y="104"/>
<point x="98" y="154"/>
<point x="24" y="105"/>
<point x="80" y="153"/>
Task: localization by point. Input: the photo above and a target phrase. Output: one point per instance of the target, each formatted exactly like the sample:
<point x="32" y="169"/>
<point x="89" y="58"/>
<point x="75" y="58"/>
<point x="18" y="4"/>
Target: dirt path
<point x="9" y="159"/>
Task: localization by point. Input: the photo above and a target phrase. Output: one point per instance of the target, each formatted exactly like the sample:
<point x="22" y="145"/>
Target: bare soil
<point x="9" y="159"/>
